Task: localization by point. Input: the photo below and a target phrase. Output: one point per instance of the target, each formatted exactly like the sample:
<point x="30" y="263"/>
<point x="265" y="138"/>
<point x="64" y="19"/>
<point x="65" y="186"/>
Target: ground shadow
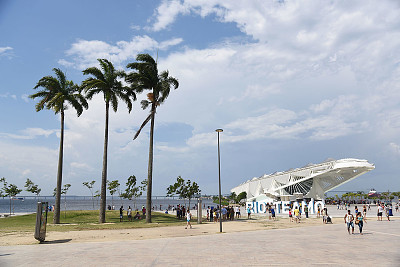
<point x="57" y="241"/>
<point x="7" y="254"/>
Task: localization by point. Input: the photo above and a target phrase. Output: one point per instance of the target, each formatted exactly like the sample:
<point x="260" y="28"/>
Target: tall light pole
<point x="219" y="179"/>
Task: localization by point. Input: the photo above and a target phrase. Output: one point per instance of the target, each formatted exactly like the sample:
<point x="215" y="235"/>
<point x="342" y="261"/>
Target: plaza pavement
<point x="324" y="245"/>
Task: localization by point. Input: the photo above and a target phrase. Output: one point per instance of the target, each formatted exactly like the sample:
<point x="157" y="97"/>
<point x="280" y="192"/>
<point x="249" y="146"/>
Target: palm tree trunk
<point x="102" y="213"/>
<point x="150" y="169"/>
<point x="57" y="212"/>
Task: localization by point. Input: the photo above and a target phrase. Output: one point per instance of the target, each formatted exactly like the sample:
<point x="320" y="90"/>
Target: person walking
<point x="387" y="211"/>
<point x="297" y="214"/>
<point x="188" y="218"/>
<point x="290" y="215"/>
<point x="348" y="219"/>
<point x="360" y="221"/>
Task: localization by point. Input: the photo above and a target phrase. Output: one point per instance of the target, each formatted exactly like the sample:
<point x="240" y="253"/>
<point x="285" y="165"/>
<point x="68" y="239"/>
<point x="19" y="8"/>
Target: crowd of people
<point x="137" y="215"/>
<point x="228" y="213"/>
<point x="360" y="217"/>
<point x="215" y="214"/>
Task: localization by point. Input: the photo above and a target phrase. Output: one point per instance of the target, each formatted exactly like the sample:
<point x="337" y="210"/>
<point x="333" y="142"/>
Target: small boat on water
<point x="18" y="198"/>
<point x="373" y="193"/>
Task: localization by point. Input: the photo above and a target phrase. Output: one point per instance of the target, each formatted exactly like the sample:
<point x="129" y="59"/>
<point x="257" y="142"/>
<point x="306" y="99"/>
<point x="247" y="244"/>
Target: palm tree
<point x="146" y="77"/>
<point x="105" y="81"/>
<point x="58" y="92"/>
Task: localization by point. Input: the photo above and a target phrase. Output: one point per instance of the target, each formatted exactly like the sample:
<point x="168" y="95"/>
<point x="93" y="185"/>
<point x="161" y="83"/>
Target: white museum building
<point x="303" y="184"/>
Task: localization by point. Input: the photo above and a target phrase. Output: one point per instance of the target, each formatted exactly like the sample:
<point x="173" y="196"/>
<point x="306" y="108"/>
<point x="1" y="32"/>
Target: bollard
<point x="41" y="221"/>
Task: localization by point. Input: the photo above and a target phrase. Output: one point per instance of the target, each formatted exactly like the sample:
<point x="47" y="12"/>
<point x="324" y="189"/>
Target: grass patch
<point x="85" y="220"/>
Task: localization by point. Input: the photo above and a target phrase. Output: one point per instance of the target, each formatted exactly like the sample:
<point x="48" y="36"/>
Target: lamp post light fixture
<point x="219" y="179"/>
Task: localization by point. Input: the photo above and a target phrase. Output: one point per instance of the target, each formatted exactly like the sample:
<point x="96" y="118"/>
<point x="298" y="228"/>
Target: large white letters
<point x="284" y="206"/>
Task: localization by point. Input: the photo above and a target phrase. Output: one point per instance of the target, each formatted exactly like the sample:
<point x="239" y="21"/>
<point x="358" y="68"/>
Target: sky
<point x="289" y="82"/>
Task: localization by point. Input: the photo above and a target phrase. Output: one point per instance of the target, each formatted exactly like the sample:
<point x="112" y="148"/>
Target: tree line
<point x="181" y="188"/>
<point x="359" y="196"/>
<point x="58" y="94"/>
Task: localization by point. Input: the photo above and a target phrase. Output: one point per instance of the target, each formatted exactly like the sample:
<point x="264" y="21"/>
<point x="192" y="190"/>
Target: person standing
<point x="144" y="211"/>
<point x="325" y="215"/>
<point x="248" y="212"/>
<point x="237" y="211"/>
<point x="348" y="219"/>
<point x="224" y="213"/>
<point x="306" y="210"/>
<point x="273" y="213"/>
<point x="188" y="218"/>
<point x="129" y="214"/>
<point x="121" y="214"/>
<point x="290" y="215"/>
<point x="269" y="211"/>
<point x="379" y="212"/>
<point x="360" y="221"/>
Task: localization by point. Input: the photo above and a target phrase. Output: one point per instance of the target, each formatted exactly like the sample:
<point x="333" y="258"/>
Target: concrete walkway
<point x="325" y="245"/>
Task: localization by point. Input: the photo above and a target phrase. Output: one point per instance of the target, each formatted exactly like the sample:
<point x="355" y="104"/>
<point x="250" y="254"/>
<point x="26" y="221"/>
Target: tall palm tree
<point x="105" y="81"/>
<point x="146" y="77"/>
<point x="56" y="94"/>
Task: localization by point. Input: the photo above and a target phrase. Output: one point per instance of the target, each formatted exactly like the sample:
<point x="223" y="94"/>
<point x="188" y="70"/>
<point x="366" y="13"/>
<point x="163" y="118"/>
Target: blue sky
<point x="290" y="82"/>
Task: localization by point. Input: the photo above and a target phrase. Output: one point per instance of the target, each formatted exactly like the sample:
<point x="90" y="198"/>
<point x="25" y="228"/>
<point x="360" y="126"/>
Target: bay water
<point x="28" y="204"/>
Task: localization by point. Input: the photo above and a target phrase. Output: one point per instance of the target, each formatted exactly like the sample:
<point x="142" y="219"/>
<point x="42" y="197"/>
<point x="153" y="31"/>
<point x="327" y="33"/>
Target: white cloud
<point x="167" y="12"/>
<point x="79" y="165"/>
<point x="37" y="162"/>
<point x="395" y="148"/>
<point x="135" y="27"/>
<point x="29" y="133"/>
<point x="26" y="172"/>
<point x="313" y="71"/>
<point x="84" y="53"/>
<point x="5" y="51"/>
<point x="25" y="97"/>
<point x="8" y="95"/>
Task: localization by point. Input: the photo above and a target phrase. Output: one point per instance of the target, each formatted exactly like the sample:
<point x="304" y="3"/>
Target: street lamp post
<point x="219" y="179"/>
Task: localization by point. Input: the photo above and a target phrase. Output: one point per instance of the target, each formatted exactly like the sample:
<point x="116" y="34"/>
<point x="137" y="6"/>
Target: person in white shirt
<point x="237" y="211"/>
<point x="380" y="211"/>
<point x="188" y="217"/>
<point x="348" y="219"/>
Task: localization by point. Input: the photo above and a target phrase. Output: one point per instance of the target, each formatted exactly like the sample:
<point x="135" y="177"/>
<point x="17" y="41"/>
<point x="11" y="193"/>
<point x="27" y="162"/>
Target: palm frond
<point x="61" y="77"/>
<point x="114" y="102"/>
<point x="143" y="124"/>
<point x="95" y="72"/>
